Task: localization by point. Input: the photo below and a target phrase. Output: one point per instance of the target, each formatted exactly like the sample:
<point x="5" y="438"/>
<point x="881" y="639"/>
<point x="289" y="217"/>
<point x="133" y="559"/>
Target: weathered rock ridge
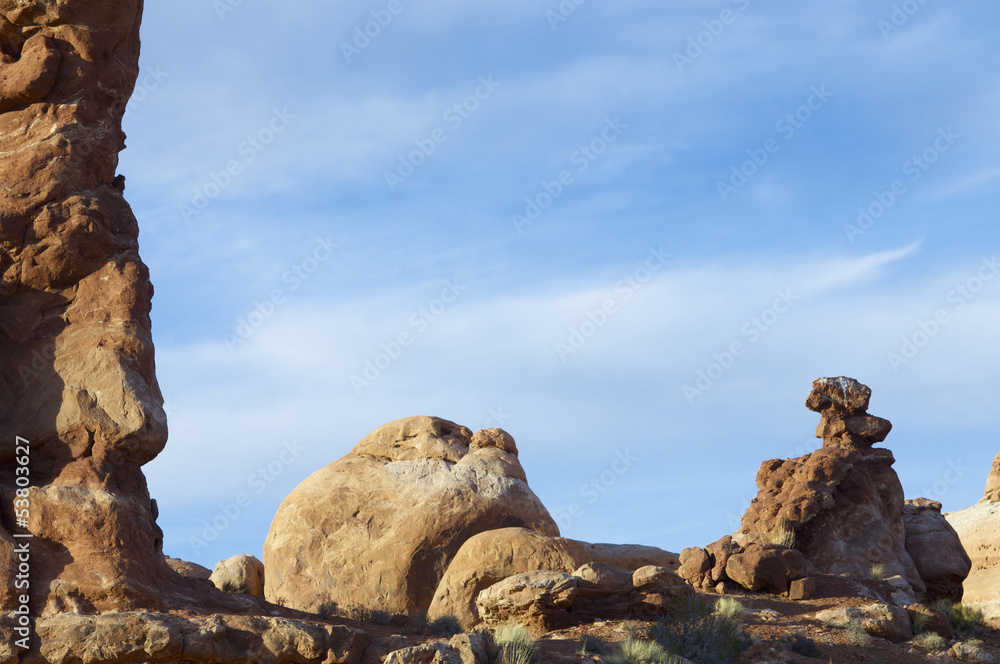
<point x="379" y="527"/>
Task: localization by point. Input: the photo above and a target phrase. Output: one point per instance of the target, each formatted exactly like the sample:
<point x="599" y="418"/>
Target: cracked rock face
<point x="379" y="527"/>
<point x="844" y="502"/>
<point x="76" y="357"/>
<point x="993" y="483"/>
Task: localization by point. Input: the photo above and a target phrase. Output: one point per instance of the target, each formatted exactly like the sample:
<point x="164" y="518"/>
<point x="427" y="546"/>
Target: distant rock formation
<point x="979" y="529"/>
<point x="379" y="527"/>
<point x="840" y="507"/>
<point x="993" y="483"/>
<point x="844" y="502"/>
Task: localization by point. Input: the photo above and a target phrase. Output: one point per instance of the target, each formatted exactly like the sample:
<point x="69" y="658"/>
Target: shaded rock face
<point x="495" y="555"/>
<point x="76" y="357"/>
<point x="844" y="502"/>
<point x="379" y="527"/>
<point x="936" y="549"/>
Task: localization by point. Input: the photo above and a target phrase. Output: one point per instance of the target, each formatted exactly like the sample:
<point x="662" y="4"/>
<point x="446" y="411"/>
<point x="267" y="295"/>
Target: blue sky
<point x="554" y="226"/>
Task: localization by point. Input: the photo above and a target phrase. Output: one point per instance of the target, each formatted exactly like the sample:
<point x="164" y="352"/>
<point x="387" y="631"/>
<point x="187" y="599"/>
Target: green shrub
<point x="445" y="626"/>
<point x="930" y="642"/>
<point x="857" y="636"/>
<point x="696" y="631"/>
<point x="635" y="651"/>
<point x="514" y="645"/>
<point x="802" y="645"/>
<point x="230" y="586"/>
<point x="920" y="621"/>
<point x="592" y="645"/>
<point x="966" y="621"/>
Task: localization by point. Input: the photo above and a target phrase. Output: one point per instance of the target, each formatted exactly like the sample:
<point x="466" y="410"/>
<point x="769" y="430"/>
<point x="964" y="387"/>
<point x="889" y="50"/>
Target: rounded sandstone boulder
<point x="379" y="527"/>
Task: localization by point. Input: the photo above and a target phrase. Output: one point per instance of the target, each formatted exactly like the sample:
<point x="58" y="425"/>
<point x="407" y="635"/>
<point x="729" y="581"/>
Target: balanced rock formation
<point x="380" y="526"/>
<point x="841" y="506"/>
<point x="979" y="529"/>
<point x="495" y="555"/>
<point x="936" y="549"/>
<point x="76" y="356"/>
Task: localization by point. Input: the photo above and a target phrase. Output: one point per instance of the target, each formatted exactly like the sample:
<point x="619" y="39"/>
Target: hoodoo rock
<point x="380" y="526"/>
<point x="843" y="504"/>
<point x="978" y="527"/>
<point x="77" y="377"/>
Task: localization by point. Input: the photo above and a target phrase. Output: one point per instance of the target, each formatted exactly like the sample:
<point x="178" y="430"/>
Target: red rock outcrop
<point x="841" y="506"/>
<point x="936" y="549"/>
<point x="77" y="378"/>
<point x="379" y="527"/>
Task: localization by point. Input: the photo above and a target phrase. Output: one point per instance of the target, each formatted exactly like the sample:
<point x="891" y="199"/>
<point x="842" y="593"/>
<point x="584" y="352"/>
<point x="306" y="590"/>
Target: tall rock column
<point x="842" y="505"/>
<point x="76" y="356"/>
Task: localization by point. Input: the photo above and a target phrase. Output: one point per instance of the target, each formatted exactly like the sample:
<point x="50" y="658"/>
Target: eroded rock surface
<point x="936" y="549"/>
<point x="841" y="506"/>
<point x="495" y="555"/>
<point x="978" y="527"/>
<point x="380" y="526"/>
<point x="76" y="357"/>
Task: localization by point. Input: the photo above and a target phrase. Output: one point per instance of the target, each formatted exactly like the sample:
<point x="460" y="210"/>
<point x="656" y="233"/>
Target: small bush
<point x="930" y="642"/>
<point x="230" y="586"/>
<point x="445" y="626"/>
<point x="785" y="538"/>
<point x="802" y="645"/>
<point x="367" y="614"/>
<point x="877" y="572"/>
<point x="419" y="623"/>
<point x="328" y="610"/>
<point x="635" y="651"/>
<point x="696" y="631"/>
<point x="857" y="636"/>
<point x="967" y="621"/>
<point x="920" y="621"/>
<point x="514" y="645"/>
<point x="592" y="645"/>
